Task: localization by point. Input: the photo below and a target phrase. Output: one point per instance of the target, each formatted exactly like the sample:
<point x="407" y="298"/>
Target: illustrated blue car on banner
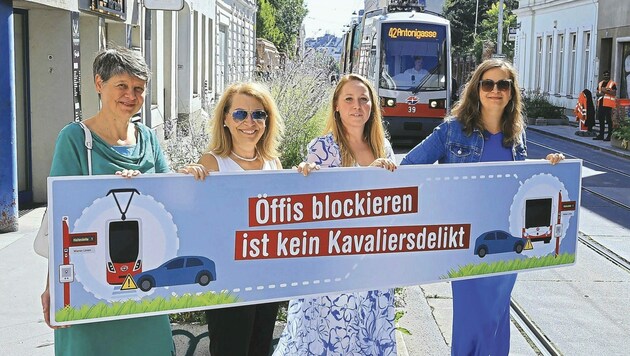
<point x="179" y="270"/>
<point x="498" y="241"/>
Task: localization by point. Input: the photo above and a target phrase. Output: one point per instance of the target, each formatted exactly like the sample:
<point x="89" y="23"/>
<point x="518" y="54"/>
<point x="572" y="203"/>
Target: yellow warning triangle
<point x="528" y="245"/>
<point x="129" y="283"/>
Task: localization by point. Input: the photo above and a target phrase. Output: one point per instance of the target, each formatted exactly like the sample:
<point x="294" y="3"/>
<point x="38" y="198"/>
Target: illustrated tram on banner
<point x="386" y="47"/>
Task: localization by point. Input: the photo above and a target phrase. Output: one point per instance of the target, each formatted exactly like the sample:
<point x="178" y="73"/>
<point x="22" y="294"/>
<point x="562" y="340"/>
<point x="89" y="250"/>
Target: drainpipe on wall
<point x="8" y="151"/>
<point x="147" y="57"/>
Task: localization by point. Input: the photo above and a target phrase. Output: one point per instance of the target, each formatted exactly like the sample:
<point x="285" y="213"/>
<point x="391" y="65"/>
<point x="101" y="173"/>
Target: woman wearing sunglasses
<point x="245" y="136"/>
<point x="360" y="323"/>
<point x="486" y="125"/>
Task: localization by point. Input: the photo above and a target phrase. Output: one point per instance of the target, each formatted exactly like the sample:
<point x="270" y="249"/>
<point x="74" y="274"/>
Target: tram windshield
<point x="413" y="56"/>
<point x="124" y="241"/>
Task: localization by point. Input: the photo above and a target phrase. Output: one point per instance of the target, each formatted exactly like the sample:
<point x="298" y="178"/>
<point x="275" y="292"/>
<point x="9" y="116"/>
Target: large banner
<point x="155" y="244"/>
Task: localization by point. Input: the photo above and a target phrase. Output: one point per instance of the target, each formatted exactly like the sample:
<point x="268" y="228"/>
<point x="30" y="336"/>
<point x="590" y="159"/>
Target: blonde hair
<point x="221" y="138"/>
<point x="373" y="132"/>
<point x="468" y="109"/>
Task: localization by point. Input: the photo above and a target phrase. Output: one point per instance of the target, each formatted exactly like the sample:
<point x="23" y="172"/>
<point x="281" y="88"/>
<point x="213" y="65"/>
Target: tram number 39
<point x="411" y="109"/>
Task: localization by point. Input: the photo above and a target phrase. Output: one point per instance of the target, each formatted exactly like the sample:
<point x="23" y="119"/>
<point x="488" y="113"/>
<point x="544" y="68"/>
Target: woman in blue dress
<point x="359" y="323"/>
<point x="486" y="125"/>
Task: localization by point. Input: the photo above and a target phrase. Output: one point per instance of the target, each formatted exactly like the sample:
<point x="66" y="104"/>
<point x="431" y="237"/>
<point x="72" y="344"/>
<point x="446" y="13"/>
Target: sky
<point x="329" y="16"/>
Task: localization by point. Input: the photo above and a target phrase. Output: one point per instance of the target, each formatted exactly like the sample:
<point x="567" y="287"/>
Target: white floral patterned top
<point x="359" y="323"/>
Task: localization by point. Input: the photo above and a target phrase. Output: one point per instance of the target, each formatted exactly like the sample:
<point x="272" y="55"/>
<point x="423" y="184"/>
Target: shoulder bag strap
<point x="88" y="146"/>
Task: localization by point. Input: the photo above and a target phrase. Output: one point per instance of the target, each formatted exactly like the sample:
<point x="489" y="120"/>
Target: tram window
<point x="537" y="212"/>
<point x="124" y="241"/>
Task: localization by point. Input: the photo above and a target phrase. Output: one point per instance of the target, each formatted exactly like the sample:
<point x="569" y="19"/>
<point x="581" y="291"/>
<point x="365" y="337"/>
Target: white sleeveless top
<point x="227" y="164"/>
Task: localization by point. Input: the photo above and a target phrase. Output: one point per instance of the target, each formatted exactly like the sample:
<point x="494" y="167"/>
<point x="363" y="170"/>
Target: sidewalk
<point x="23" y="331"/>
<point x="567" y="132"/>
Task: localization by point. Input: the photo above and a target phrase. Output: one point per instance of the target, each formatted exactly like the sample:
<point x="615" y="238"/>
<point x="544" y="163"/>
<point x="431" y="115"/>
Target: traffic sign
<point x="512" y="34"/>
<point x="129" y="283"/>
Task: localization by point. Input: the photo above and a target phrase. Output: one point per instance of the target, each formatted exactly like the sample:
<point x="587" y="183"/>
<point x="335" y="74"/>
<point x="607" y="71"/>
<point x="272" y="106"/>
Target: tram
<point x="405" y="52"/>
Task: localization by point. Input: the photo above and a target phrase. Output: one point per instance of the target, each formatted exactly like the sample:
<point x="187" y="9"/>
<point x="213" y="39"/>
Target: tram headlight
<point x="437" y="103"/>
<point x="388" y="102"/>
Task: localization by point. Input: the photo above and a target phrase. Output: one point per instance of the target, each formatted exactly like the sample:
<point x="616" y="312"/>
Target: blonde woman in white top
<point x="245" y="136"/>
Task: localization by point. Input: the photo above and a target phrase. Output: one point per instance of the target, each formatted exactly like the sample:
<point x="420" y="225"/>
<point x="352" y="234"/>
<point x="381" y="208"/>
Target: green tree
<point x="488" y="30"/>
<point x="461" y="14"/>
<point x="266" y="22"/>
<point x="279" y="21"/>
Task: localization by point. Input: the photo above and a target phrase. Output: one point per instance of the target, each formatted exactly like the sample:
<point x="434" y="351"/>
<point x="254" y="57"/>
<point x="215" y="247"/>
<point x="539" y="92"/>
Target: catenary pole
<point x="500" y="29"/>
<point x="476" y="18"/>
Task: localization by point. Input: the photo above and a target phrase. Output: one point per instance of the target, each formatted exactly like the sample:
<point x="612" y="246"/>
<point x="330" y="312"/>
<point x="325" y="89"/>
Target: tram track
<point x="537" y="338"/>
<point x="604" y="252"/>
<point x="585" y="239"/>
<point x="593" y="163"/>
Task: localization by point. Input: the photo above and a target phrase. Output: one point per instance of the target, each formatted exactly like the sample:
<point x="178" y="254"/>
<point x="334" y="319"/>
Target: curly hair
<point x="468" y="109"/>
<point x="221" y="139"/>
<point x="373" y="132"/>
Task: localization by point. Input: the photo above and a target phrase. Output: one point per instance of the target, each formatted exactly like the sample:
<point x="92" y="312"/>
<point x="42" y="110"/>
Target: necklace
<point x="245" y="159"/>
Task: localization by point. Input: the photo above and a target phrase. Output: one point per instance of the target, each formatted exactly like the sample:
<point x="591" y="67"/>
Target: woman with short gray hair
<point x="125" y="148"/>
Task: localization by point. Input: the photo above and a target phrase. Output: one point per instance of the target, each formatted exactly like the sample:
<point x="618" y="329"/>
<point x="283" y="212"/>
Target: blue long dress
<point x="481" y="306"/>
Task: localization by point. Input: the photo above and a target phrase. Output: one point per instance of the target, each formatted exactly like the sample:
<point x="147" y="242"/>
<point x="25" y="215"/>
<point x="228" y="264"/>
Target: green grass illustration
<point x="102" y="309"/>
<point x="512" y="265"/>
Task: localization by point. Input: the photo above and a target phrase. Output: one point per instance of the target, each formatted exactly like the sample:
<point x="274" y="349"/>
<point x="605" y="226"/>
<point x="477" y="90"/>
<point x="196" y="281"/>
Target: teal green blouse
<point x="139" y="336"/>
<point x="70" y="158"/>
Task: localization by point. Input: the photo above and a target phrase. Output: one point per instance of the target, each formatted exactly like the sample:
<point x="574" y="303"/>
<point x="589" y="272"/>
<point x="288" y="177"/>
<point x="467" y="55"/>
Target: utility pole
<point x="8" y="150"/>
<point x="476" y="17"/>
<point x="500" y="29"/>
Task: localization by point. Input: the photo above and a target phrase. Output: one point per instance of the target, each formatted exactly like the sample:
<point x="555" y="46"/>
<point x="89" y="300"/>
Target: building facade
<point x="613" y="37"/>
<point x="194" y="53"/>
<point x="556" y="48"/>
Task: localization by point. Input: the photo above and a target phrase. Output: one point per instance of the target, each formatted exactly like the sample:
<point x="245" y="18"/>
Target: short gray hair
<point x="120" y="60"/>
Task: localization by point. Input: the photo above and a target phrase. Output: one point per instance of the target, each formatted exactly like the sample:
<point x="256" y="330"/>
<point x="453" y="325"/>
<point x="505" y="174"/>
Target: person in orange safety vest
<point x="606" y="101"/>
<point x="585" y="111"/>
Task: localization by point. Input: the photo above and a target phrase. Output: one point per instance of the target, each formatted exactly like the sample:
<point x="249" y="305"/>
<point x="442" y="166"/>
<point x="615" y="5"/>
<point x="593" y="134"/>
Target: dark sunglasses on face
<point x="240" y="115"/>
<point x="487" y="85"/>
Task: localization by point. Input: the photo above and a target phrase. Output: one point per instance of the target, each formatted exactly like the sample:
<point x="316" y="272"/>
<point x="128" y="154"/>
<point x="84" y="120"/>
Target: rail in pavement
<point x="567" y="132"/>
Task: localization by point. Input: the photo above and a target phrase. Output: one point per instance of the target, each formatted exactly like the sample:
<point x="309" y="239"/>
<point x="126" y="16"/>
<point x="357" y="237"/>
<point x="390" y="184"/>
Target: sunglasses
<point x="487" y="85"/>
<point x="240" y="115"/>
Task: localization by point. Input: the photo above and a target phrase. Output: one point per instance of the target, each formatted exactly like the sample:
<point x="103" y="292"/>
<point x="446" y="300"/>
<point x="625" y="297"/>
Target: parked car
<point x="179" y="270"/>
<point x="498" y="241"/>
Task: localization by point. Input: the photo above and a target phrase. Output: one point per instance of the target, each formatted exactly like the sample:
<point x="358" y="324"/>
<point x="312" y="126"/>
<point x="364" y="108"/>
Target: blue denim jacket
<point x="448" y="143"/>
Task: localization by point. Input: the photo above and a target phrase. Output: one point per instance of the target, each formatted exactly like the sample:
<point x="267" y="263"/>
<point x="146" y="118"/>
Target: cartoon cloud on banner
<point x="152" y="230"/>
